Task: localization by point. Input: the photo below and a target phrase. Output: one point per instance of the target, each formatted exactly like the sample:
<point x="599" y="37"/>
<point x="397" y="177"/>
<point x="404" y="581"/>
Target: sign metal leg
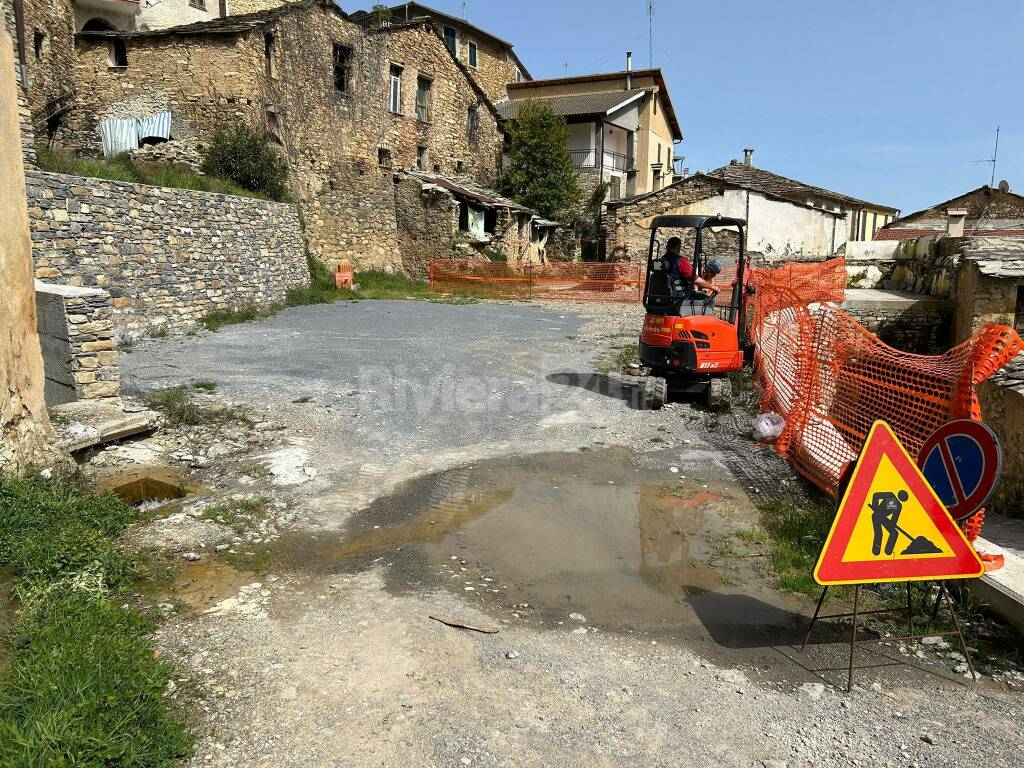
<point x="817" y="610"/>
<point x="853" y="637"/>
<point x="959" y="632"/>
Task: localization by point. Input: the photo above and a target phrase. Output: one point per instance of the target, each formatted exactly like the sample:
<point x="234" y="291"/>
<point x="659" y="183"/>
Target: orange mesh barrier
<point x="580" y="281"/>
<point x="830" y="378"/>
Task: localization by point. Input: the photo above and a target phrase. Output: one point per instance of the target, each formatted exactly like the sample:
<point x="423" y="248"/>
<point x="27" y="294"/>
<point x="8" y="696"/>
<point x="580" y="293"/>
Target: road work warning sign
<point x="891" y="526"/>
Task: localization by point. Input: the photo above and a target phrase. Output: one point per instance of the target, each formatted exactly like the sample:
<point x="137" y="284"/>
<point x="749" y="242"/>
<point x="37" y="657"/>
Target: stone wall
<point x="166" y="256"/>
<point x="1002" y="407"/>
<point x="628" y="224"/>
<point x="341" y="144"/>
<point x="49" y="61"/>
<point x="908" y="322"/>
<point x="427" y="220"/>
<point x="76" y="333"/>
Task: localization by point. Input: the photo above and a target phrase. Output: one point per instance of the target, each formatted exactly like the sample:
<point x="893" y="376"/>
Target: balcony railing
<point x="586" y="159"/>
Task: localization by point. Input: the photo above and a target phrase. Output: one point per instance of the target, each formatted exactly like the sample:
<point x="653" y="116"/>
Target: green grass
<point x="124" y="168"/>
<point x="239" y="512"/>
<point x="796" y="532"/>
<point x="181" y="410"/>
<point x="302" y="400"/>
<point x="82" y="686"/>
<point x="373" y="284"/>
<point x="204" y="385"/>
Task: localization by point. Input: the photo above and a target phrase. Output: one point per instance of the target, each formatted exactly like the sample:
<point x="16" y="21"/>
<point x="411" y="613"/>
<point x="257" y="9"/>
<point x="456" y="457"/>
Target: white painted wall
<point x="777" y="229"/>
<point x="160" y="14"/>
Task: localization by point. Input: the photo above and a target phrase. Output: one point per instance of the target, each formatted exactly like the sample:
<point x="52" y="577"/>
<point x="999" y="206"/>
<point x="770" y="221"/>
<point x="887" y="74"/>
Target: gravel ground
<point x="308" y="669"/>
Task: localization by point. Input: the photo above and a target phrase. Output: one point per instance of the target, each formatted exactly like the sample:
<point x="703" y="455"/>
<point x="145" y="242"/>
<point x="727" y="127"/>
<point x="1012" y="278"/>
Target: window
<point x="274" y="126"/>
<point x="519" y="75"/>
<point x="40" y="43"/>
<point x="268" y="55"/>
<point x="655" y="102"/>
<point x="472" y="54"/>
<point x="197" y="4"/>
<point x="473" y="122"/>
<point x="615" y="188"/>
<point x="395" y="90"/>
<point x="342" y="56"/>
<point x="383" y="157"/>
<point x="460" y="166"/>
<point x="451" y="39"/>
<point x="422" y="158"/>
<point x="117" y="55"/>
<point x="423" y="99"/>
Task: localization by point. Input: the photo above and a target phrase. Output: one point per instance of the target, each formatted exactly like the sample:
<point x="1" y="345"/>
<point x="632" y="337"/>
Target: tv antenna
<point x="464" y="16"/>
<point x="650" y="31"/>
<point x="992" y="160"/>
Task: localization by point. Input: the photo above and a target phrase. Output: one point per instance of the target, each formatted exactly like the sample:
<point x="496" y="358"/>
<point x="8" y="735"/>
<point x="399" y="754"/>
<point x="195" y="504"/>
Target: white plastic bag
<point x="768" y="426"/>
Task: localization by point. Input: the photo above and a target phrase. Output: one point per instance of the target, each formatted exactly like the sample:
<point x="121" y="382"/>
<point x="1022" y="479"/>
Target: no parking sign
<point x="962" y="461"/>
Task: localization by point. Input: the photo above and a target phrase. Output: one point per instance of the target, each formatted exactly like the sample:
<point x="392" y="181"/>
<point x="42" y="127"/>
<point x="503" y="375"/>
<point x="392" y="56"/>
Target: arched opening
<point x="98" y="25"/>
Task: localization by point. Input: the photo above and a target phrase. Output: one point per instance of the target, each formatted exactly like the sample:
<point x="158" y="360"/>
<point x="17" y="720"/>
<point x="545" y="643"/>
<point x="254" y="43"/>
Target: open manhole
<point x="147" y="491"/>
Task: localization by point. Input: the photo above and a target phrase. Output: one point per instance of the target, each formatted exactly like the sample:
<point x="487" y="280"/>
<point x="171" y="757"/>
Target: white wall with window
<point x="395" y="89"/>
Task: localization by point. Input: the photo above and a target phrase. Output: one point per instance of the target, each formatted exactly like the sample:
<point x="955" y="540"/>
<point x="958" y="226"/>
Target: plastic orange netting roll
<point x="830" y="378"/>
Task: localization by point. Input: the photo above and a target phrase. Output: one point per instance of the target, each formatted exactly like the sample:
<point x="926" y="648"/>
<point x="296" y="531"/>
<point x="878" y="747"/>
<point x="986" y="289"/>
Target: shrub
<point x="248" y="159"/>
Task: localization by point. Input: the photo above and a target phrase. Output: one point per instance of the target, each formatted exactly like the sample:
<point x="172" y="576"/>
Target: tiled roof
<point x="996" y="256"/>
<point x="757" y="179"/>
<point x="997" y="209"/>
<point x="470" y="190"/>
<point x="573" y="104"/>
<point x="228" y="25"/>
<point x="908" y="233"/>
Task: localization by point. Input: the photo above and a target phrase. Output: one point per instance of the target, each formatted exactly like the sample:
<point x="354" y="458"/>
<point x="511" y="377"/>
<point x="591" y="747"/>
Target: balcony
<point x="586" y="160"/>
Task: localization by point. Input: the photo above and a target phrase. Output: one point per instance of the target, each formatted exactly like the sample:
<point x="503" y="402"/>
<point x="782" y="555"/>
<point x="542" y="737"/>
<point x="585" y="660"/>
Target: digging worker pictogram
<point x="886" y="508"/>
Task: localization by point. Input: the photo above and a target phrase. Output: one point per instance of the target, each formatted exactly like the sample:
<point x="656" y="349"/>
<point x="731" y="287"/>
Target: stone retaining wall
<point x="166" y="256"/>
<point x="918" y="324"/>
<point x="1002" y="407"/>
<point x="76" y="333"/>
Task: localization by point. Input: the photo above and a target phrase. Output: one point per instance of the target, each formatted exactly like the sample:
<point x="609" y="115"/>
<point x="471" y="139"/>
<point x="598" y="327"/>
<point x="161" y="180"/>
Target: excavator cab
<point x="692" y="339"/>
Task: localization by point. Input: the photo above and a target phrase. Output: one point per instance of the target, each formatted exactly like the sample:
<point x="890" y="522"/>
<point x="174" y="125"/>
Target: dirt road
<point x="471" y="463"/>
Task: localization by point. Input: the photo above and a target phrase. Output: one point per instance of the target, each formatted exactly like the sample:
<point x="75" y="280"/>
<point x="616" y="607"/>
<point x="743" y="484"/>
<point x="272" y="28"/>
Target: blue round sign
<point x="962" y="461"/>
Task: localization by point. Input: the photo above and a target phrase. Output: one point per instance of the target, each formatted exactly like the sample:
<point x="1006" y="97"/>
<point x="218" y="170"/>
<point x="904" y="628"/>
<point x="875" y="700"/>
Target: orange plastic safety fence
<point x="619" y="281"/>
<point x="830" y="378"/>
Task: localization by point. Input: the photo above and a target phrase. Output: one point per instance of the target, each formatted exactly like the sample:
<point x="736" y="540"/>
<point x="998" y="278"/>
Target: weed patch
<point x="204" y="385"/>
<point x="83" y="685"/>
<point x="181" y="410"/>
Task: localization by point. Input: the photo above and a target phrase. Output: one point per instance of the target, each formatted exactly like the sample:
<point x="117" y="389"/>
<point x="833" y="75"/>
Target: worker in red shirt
<point x="681" y="267"/>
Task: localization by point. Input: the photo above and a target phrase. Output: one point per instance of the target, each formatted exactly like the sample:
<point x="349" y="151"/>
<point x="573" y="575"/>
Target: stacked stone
<point x="188" y="153"/>
<point x="166" y="256"/>
<point x="91" y="334"/>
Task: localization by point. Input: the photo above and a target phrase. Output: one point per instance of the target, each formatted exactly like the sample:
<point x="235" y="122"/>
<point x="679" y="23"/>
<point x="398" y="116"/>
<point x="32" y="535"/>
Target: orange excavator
<point x="691" y="341"/>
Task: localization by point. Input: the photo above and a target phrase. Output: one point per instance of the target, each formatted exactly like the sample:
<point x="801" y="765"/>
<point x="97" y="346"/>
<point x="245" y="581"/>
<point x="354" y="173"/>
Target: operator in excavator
<point x="685" y="283"/>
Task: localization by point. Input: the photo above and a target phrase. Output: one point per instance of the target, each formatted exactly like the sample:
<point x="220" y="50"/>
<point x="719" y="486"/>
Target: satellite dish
<point x="1004" y="186"/>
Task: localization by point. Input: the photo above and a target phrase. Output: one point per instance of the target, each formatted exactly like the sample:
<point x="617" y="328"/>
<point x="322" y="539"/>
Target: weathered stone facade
<point x="918" y="324"/>
<point x="277" y="71"/>
<point x="1002" y="407"/>
<point x="166" y="256"/>
<point x="45" y="52"/>
<point x="76" y="331"/>
<point x="496" y="63"/>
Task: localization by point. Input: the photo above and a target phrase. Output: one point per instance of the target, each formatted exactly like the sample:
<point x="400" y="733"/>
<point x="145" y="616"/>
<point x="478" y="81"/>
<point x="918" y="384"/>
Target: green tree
<point x="540" y="173"/>
<point x="246" y="158"/>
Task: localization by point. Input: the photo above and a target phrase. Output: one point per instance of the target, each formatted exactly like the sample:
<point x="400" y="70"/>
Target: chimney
<point x="629" y="70"/>
<point x="748" y="156"/>
<point x="955" y="219"/>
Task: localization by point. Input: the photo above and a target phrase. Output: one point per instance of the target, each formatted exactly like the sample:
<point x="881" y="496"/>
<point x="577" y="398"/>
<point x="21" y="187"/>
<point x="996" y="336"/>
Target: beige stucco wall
<point x="24" y="427"/>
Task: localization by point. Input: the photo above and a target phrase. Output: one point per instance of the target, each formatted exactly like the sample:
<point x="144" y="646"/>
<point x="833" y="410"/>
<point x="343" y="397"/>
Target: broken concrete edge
<point x="1002" y="590"/>
<point x="100" y="422"/>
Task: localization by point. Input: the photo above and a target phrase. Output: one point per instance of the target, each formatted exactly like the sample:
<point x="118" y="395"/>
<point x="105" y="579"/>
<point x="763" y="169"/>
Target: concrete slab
<point x="95" y="422"/>
<point x="1003" y="590"/>
<point x="880" y="299"/>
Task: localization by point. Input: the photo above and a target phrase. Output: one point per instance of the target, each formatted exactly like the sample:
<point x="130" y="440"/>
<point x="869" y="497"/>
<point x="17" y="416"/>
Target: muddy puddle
<point x="535" y="539"/>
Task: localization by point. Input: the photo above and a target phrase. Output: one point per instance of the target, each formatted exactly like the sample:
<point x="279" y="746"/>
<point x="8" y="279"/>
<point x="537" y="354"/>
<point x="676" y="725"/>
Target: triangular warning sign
<point x="891" y="526"/>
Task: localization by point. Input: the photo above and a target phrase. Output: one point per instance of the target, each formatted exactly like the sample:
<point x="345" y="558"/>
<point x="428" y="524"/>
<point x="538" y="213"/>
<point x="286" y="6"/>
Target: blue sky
<point x="887" y="101"/>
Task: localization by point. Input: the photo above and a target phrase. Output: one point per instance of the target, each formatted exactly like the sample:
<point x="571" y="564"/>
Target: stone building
<point x="623" y="126"/>
<point x="491" y="60"/>
<point x="43" y="33"/>
<point x="439" y="217"/>
<point x="143" y="15"/>
<point x="982" y="212"/>
<point x="786" y="219"/>
<point x="347" y="104"/>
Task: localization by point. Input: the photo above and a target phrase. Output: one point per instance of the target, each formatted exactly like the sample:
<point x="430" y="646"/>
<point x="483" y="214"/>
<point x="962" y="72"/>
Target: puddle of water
<point x="594" y="534"/>
<point x="198" y="586"/>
